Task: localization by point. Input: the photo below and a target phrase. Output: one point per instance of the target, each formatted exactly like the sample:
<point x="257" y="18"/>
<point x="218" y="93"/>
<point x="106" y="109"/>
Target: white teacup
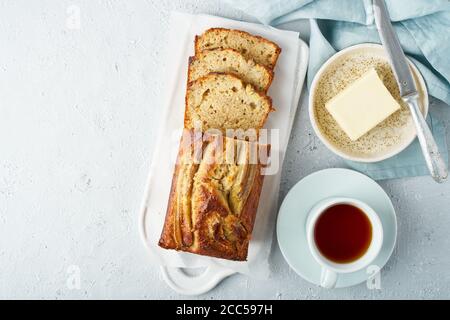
<point x="330" y="269"/>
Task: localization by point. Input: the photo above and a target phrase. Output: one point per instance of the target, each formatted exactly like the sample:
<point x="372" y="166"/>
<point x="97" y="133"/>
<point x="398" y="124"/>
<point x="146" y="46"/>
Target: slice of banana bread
<point x="224" y="101"/>
<point x="259" y="49"/>
<point x="230" y="61"/>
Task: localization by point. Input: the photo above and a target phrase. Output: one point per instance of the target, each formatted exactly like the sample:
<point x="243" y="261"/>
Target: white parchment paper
<point x="285" y="92"/>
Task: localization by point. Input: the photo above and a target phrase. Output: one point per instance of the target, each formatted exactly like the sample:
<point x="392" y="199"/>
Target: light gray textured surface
<point x="79" y="112"/>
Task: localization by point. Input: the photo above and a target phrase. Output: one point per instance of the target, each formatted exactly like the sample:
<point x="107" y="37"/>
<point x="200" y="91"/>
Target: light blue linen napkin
<point x="423" y="27"/>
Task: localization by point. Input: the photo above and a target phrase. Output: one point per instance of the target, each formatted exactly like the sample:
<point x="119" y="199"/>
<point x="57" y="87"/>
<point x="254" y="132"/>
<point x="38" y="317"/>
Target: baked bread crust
<point x="222" y="198"/>
<point x="254" y="45"/>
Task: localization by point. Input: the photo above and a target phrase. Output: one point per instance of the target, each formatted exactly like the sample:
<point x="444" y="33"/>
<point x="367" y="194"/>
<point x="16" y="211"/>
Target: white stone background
<point x="79" y="113"/>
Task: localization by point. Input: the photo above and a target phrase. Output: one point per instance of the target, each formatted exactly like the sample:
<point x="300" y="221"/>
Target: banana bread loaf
<point x="214" y="196"/>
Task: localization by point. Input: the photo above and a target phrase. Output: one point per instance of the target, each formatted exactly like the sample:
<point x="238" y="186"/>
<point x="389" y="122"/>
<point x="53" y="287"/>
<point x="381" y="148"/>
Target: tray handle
<point x="186" y="284"/>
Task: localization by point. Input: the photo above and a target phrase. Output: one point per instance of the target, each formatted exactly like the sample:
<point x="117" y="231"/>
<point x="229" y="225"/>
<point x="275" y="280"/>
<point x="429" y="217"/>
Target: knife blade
<point x="408" y="91"/>
<point x="395" y="54"/>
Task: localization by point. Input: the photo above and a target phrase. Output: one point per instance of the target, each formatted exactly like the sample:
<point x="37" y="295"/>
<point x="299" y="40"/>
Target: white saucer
<point x="326" y="183"/>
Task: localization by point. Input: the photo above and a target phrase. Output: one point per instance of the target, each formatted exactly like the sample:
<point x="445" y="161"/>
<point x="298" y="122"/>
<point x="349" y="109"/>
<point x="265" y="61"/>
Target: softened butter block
<point x="362" y="105"/>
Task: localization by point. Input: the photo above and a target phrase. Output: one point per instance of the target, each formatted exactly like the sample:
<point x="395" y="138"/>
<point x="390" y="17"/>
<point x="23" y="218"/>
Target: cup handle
<point x="328" y="278"/>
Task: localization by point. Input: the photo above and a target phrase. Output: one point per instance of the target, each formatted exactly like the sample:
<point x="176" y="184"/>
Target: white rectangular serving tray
<point x="285" y="92"/>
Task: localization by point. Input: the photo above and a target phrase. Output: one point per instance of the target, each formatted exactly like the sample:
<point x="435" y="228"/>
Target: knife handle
<point x="433" y="158"/>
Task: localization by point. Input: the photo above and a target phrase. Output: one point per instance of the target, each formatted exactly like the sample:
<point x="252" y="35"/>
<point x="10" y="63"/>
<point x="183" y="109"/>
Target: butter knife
<point x="408" y="91"/>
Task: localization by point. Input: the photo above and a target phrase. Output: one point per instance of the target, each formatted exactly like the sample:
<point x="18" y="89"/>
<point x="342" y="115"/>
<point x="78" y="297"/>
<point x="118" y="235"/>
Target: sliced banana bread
<point x="259" y="49"/>
<point x="224" y="101"/>
<point x="230" y="61"/>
